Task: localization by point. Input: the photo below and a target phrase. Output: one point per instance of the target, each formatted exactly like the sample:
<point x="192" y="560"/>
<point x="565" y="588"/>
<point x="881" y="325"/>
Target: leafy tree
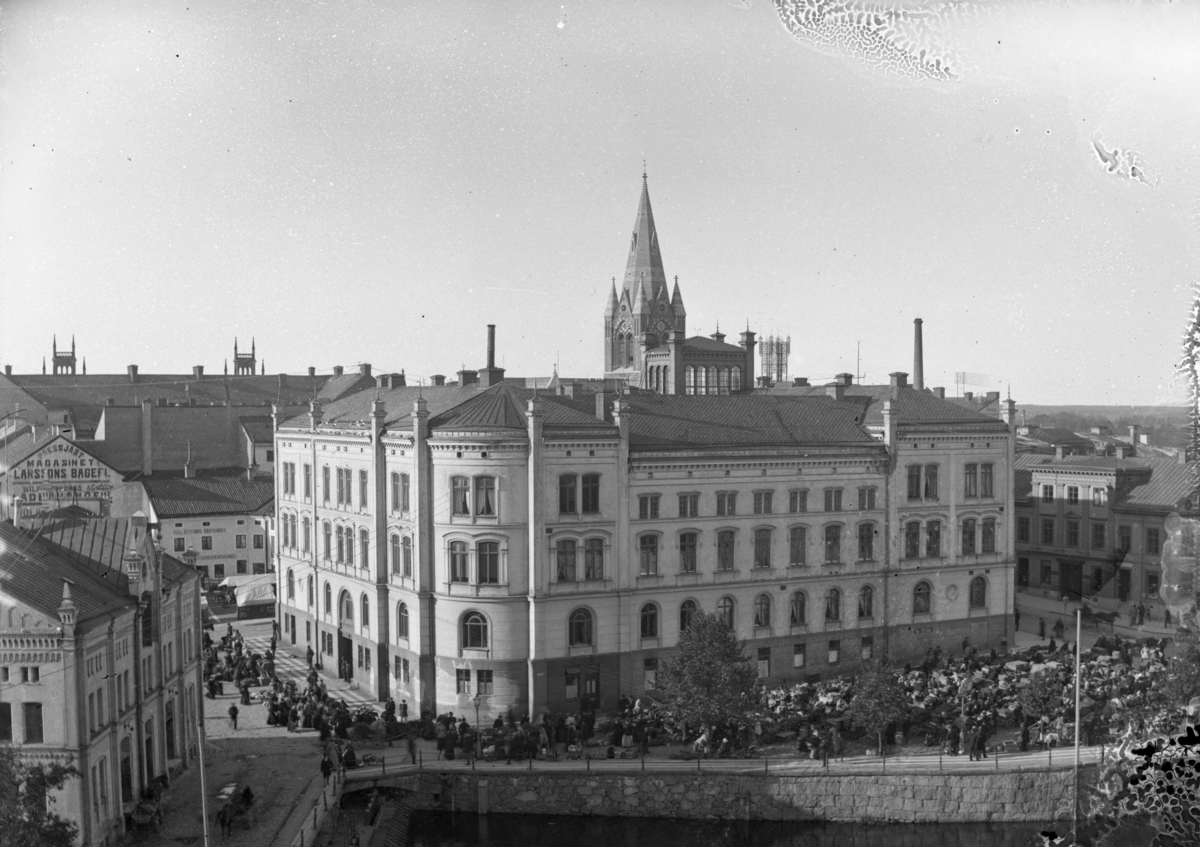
<point x="25" y="816"/>
<point x="878" y="701"/>
<point x="709" y="680"/>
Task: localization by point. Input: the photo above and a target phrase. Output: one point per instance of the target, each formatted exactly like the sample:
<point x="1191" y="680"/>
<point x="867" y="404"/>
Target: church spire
<point x="611" y="309"/>
<point x="645" y="261"/>
<point x="677" y="301"/>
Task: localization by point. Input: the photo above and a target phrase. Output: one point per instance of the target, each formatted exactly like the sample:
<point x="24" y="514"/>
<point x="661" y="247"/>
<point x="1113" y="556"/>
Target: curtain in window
<point x="566" y="560"/>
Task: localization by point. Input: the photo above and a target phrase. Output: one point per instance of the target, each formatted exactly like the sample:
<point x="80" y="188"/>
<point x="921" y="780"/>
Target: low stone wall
<point x="913" y="798"/>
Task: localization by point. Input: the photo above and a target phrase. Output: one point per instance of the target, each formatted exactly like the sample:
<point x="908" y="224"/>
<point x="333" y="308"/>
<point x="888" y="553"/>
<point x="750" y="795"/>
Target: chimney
<point x="1133" y="433"/>
<point x="197" y="372"/>
<point x="147" y="436"/>
<point x="491" y="375"/>
<point x="8" y="370"/>
<point x="1124" y="451"/>
<point x="1008" y="411"/>
<point x="1058" y="452"/>
<point x="133" y="374"/>
<point x="312" y="371"/>
<point x="315" y="414"/>
<point x="438" y="379"/>
<point x="940" y="392"/>
<point x="109" y="401"/>
<point x="764" y="381"/>
<point x="968" y="395"/>
<point x="835" y="390"/>
<point x="845" y="379"/>
<point x="466" y="377"/>
<point x="282" y="381"/>
<point x="337" y="370"/>
<point x="899" y="381"/>
<point x="571" y="389"/>
<point x="188" y="470"/>
<point x="491" y="348"/>
<point x="918" y="357"/>
<point x="160" y="402"/>
<point x="800" y="382"/>
<point x="1181" y="457"/>
<point x="364" y="369"/>
<point x="993" y="396"/>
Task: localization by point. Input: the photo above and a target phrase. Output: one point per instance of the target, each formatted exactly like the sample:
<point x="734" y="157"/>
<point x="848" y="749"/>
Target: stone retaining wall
<point x="914" y="798"/>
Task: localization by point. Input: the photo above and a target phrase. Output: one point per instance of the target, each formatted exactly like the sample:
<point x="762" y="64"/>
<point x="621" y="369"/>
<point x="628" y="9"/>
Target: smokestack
<point x="491" y="359"/>
<point x="918" y="357"/>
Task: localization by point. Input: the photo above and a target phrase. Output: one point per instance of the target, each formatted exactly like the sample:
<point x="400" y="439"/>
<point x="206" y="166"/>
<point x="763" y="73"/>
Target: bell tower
<point x="244" y="363"/>
<point x="64" y="362"/>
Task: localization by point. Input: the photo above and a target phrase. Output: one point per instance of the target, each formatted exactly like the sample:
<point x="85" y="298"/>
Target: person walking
<point x="233" y="713"/>
<point x="308" y="654"/>
<point x="326" y="767"/>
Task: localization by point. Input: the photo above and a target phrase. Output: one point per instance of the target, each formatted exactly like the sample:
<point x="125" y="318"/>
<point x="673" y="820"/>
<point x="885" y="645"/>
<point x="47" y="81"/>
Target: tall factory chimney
<point x="918" y="357"/>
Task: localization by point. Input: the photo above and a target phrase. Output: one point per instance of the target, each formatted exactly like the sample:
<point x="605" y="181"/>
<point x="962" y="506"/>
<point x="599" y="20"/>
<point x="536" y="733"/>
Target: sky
<point x="352" y="182"/>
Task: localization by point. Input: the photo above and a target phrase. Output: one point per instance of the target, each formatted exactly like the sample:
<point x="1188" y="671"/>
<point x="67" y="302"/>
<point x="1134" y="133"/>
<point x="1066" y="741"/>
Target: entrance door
<point x="149" y="751"/>
<point x="1123" y="584"/>
<point x="979" y="633"/>
<point x="1071" y="579"/>
<point x="169" y="730"/>
<point x="591" y="687"/>
<point x="345" y="657"/>
<point x="126" y="773"/>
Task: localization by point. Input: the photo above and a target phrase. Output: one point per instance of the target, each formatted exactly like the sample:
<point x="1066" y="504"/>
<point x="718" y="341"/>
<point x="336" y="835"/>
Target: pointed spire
<point x="54" y="349"/>
<point x="85" y="365"/>
<point x="677" y="301"/>
<point x="235" y="347"/>
<point x="611" y="308"/>
<point x="640" y="304"/>
<point x="43" y="365"/>
<point x="72" y="344"/>
<point x="645" y="260"/>
<point x="227" y="361"/>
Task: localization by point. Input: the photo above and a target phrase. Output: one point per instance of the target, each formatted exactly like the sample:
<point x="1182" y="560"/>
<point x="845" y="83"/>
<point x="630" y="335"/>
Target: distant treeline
<point x="1166" y="426"/>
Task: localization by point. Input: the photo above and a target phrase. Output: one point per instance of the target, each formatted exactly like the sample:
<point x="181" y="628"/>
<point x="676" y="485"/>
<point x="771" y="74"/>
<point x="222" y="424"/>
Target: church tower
<point x="642" y="315"/>
<point x="243" y="363"/>
<point x="64" y="362"/>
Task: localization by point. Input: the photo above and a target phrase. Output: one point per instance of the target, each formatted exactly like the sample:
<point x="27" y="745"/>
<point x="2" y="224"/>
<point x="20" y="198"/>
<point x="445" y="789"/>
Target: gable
<point x="60" y="472"/>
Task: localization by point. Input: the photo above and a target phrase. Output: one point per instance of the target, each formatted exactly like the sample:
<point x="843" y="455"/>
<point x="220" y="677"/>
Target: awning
<point x="255" y="594"/>
<point x="238" y="580"/>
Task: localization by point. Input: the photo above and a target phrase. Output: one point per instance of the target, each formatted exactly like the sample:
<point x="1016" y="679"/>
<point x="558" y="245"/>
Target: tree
<point x="709" y="680"/>
<point x="25" y="816"/>
<point x="878" y="700"/>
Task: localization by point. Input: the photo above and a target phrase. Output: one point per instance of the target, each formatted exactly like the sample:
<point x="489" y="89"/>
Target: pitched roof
<point x="98" y="544"/>
<point x="645" y="259"/>
<point x="354" y="410"/>
<point x="1163" y="483"/>
<point x="231" y="495"/>
<point x="260" y="429"/>
<point x="1170" y="483"/>
<point x="1055" y="436"/>
<point x="683" y="422"/>
<point x="704" y="344"/>
<point x="32" y="571"/>
<point x="910" y="405"/>
<point x="96" y="390"/>
<point x="503" y="407"/>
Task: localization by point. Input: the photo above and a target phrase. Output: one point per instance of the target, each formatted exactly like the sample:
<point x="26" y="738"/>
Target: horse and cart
<point x="238" y="808"/>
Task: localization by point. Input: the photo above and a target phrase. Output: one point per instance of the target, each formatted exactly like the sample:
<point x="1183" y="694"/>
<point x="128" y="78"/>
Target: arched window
<point x="402" y="621"/>
<point x="799" y="609"/>
<point x="487" y="554"/>
<point x="968" y="536"/>
<point x="735" y="379"/>
<point x="988" y="539"/>
<point x="725" y="611"/>
<point x="307" y="535"/>
<point x="921" y="599"/>
<point x="460" y="495"/>
<point x="566" y="560"/>
<point x="912" y="540"/>
<point x="458" y="561"/>
<point x="650" y="621"/>
<point x="723" y="376"/>
<point x="712" y="380"/>
<point x="866" y="602"/>
<point x="762" y="548"/>
<point x="328" y="535"/>
<point x="701" y="380"/>
<point x="689" y="380"/>
<point x="312" y="594"/>
<point x="346" y="608"/>
<point x="328" y="599"/>
<point x="686" y="610"/>
<point x="364" y="545"/>
<point x="833" y="605"/>
<point x="762" y="610"/>
<point x="474" y="631"/>
<point x="366" y="611"/>
<point x="579" y="628"/>
<point x="341" y="547"/>
<point x="291" y="585"/>
<point x="593" y="558"/>
<point x="978" y="593"/>
<point x="933" y="539"/>
<point x="349" y="546"/>
<point x="395" y="545"/>
<point x="406" y="551"/>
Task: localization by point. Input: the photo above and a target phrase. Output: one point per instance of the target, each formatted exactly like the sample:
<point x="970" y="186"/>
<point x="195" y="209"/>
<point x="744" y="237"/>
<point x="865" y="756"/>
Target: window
<point x="914" y="482"/>
<point x="797" y="545"/>
<point x="988" y="539"/>
<point x="650" y="674"/>
<point x="485" y="496"/>
<point x="460" y="496"/>
<point x="567" y="484"/>
<point x="866" y="602"/>
<point x="835" y="652"/>
<point x="866" y="542"/>
<point x="1125" y="538"/>
<point x="365" y="604"/>
<point x="341" y="487"/>
<point x="649" y="621"/>
<point x="485" y="683"/>
<point x="912" y="540"/>
<point x="291" y="585"/>
<point x="1072" y="533"/>
<point x="866" y="499"/>
<point x="395" y="492"/>
<point x="921" y="599"/>
<point x="1097" y="535"/>
<point x="868" y="647"/>
<point x="341" y="545"/>
<point x="307" y="482"/>
<point x="689" y="505"/>
<point x="798" y="656"/>
<point x="797" y="501"/>
<point x="687" y="552"/>
<point x="985" y="480"/>
<point x="362" y="489"/>
<point x="33" y="723"/>
<point x="726" y="503"/>
<point x="1046" y="572"/>
<point x="648" y="554"/>
<point x="764" y="662"/>
<point x="404" y="671"/>
<point x="833" y="605"/>
<point x="306" y="538"/>
<point x="1023" y="573"/>
<point x="458" y="561"/>
<point x="325" y="484"/>
<point x="931" y="482"/>
<point x="179" y="545"/>
<point x="978" y="593"/>
<point x="686" y="610"/>
<point x="725" y="550"/>
<point x="725" y="611"/>
<point x="1047" y="530"/>
<point x="1151" y="585"/>
<point x="206" y="542"/>
<point x="474" y="631"/>
<point x="1023" y="530"/>
<point x="593" y="559"/>
<point x="971" y="480"/>
<point x="762" y="502"/>
<point x="404" y="493"/>
<point x="364" y="545"/>
<point x="1153" y="545"/>
<point x="488" y="555"/>
<point x="797" y="609"/>
<point x="328" y="538"/>
<point x="762" y="548"/>
<point x="579" y="628"/>
<point x="968" y="537"/>
<point x="566" y="560"/>
<point x="402" y="620"/>
<point x="833" y="544"/>
<point x="648" y="506"/>
<point x="591" y="493"/>
<point x="1097" y="580"/>
<point x="462" y="682"/>
<point x="833" y="499"/>
<point x="1099" y="496"/>
<point x="6" y="725"/>
<point x="1072" y="495"/>
<point x="762" y="610"/>
<point x="310" y="591"/>
<point x="1047" y="493"/>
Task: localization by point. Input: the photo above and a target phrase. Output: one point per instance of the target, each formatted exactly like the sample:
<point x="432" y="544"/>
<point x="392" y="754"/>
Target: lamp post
<point x="478" y="739"/>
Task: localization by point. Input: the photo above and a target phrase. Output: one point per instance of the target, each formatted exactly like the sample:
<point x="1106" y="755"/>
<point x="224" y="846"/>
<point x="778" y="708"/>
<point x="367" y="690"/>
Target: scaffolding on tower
<point x="773" y="352"/>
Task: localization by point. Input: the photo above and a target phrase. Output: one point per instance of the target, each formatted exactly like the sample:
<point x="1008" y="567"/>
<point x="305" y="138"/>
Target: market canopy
<point x="238" y="580"/>
<point x="255" y="594"/>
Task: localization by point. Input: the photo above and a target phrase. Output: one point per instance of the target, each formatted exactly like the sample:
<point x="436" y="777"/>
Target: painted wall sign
<point x="61" y="473"/>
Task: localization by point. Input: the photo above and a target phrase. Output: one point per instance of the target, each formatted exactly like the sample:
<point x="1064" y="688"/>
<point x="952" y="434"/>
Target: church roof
<point x="645" y="260"/>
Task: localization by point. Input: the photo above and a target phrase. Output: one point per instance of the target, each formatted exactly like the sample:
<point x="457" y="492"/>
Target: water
<point x="442" y="829"/>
